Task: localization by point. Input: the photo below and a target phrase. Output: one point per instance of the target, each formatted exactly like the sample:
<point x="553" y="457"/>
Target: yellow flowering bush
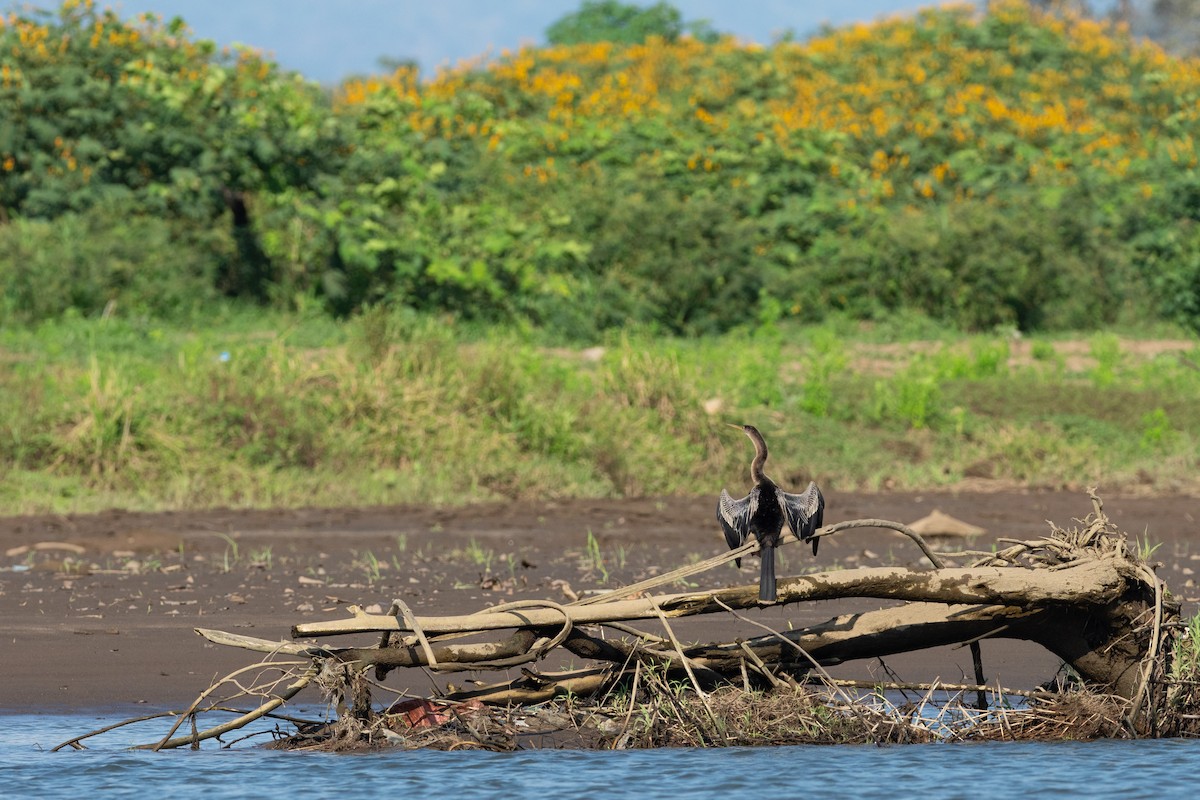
<point x="884" y="165"/>
<point x="1005" y="168"/>
<point x="144" y="138"/>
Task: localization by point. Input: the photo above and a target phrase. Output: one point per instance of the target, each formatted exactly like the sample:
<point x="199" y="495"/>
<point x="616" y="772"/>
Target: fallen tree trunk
<point x="1083" y="613"/>
<point x="1107" y="662"/>
<point x="1081" y="594"/>
<point x="1090" y="582"/>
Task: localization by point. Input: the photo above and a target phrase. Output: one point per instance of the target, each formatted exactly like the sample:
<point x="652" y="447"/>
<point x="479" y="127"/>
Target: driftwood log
<point x="1082" y="594"/>
<point x="1085" y="614"/>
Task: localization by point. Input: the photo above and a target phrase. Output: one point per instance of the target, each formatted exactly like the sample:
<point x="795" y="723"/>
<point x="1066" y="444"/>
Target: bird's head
<point x="760" y="446"/>
<point x="749" y="430"/>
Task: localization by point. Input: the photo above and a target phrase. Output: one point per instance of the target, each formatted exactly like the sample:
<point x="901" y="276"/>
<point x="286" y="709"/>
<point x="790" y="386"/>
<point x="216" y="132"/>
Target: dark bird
<point x="763" y="512"/>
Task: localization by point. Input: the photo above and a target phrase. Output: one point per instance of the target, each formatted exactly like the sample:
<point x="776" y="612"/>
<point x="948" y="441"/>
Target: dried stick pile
<point x="1081" y="593"/>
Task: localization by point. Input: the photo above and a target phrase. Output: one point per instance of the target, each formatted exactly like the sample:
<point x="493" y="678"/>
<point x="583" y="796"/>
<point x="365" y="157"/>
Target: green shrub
<point x="976" y="264"/>
<point x="824" y="361"/>
<point x="991" y="171"/>
<point x="911" y="398"/>
<point x="103" y="261"/>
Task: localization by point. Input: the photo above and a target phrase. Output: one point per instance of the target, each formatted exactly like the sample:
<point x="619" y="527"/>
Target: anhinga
<point x="763" y="512"/>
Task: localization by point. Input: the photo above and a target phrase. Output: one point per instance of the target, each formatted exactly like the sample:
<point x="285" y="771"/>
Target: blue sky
<point x="329" y="40"/>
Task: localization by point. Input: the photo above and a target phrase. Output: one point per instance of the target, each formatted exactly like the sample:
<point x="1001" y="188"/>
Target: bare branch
<point x="1087" y="582"/>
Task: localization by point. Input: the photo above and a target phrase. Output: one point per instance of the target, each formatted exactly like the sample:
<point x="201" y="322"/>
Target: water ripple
<point x="1126" y="770"/>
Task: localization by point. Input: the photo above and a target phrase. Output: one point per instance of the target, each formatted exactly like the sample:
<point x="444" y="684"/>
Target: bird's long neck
<point x="760" y="456"/>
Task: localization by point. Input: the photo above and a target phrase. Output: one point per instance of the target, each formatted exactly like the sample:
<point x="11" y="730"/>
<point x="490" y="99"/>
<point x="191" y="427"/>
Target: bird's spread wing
<point x="734" y="516"/>
<point x="805" y="513"/>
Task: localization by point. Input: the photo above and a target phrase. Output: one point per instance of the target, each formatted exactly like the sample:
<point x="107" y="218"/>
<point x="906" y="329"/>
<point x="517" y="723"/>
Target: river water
<point x="1107" y="769"/>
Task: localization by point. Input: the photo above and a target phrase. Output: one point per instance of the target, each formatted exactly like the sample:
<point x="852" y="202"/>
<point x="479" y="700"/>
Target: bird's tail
<point x="766" y="578"/>
<point x="815" y="541"/>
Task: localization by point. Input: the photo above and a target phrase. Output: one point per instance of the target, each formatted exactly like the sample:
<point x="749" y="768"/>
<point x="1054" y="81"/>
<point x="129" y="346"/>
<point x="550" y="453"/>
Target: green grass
<point x="372" y="568"/>
<point x="480" y="556"/>
<point x="595" y="559"/>
<point x="394" y="408"/>
<point x="230" y="558"/>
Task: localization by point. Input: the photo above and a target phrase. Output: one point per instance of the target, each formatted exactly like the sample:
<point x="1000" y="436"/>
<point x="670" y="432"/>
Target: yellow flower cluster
<point x="929" y="85"/>
<point x="140" y="54"/>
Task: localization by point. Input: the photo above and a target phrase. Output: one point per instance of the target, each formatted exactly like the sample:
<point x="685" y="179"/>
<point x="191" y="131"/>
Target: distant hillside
<point x="1001" y="170"/>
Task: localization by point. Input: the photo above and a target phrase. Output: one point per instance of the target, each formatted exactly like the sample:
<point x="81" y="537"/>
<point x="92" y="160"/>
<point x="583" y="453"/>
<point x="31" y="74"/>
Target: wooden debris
<point x="1082" y="593"/>
<point x="41" y="547"/>
<point x="940" y="524"/>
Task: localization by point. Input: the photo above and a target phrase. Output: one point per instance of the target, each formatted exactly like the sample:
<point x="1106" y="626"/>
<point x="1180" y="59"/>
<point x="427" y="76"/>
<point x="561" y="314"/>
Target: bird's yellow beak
<point x="734" y="425"/>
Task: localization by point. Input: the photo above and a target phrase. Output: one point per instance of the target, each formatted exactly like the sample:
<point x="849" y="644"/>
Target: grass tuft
<point x="389" y="408"/>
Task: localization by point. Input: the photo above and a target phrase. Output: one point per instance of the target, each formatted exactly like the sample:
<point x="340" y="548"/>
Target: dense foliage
<point x="1007" y="169"/>
<point x="625" y="23"/>
<point x="123" y="149"/>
